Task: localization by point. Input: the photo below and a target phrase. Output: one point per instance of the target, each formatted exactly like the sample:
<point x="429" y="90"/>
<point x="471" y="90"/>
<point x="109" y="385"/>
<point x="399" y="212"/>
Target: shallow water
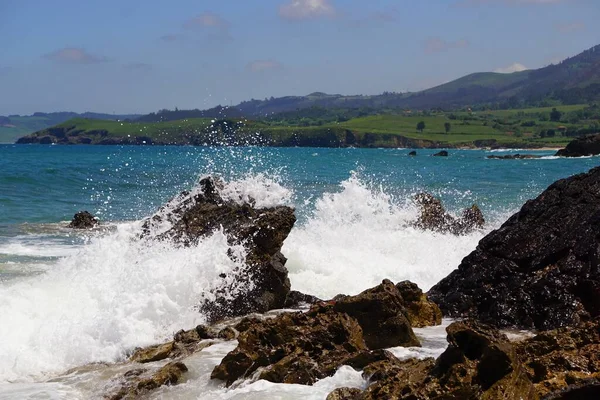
<point x="70" y="298"/>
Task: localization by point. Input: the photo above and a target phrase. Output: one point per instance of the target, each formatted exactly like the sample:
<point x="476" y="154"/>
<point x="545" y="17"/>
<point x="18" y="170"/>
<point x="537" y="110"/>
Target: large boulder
<point x="541" y="269"/>
<point x="433" y="216"/>
<point x="584" y="146"/>
<point x="479" y="363"/>
<point x="305" y="347"/>
<point x="262" y="284"/>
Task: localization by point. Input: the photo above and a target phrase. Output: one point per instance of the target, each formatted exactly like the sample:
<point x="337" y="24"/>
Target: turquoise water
<point x="42" y="184"/>
<point x="71" y="298"/>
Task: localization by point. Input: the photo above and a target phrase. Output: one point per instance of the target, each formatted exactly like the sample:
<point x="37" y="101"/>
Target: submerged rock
<point x="305" y="347"/>
<point x="514" y="157"/>
<point x="262" y="284"/>
<point x="541" y="269"/>
<point x="584" y="146"/>
<point x="412" y="153"/>
<point x="84" y="220"/>
<point x="442" y="153"/>
<point x="433" y="216"/>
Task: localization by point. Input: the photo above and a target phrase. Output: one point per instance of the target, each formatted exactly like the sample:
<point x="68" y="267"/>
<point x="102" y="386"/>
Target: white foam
<point x="361" y="235"/>
<point x="114" y="294"/>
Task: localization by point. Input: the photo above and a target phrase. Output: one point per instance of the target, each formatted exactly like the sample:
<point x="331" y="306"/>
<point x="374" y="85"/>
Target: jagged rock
<point x="584" y="146"/>
<point x="293" y="348"/>
<point x="514" y="157"/>
<point x="184" y="343"/>
<point x="433" y="216"/>
<point x="381" y="313"/>
<point x="262" y="284"/>
<point x="305" y="347"/>
<point x="442" y="153"/>
<point x="135" y="387"/>
<point x="297" y="300"/>
<point x="479" y="363"/>
<point x="83" y="220"/>
<point x="541" y="269"/>
<point x="227" y="333"/>
<point x="412" y="153"/>
<point x="561" y="359"/>
<point x="421" y="311"/>
<point x="344" y="393"/>
<point x="588" y="389"/>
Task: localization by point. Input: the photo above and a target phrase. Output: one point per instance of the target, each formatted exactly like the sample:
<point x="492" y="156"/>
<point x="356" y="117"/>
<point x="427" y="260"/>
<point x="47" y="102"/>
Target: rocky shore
<point x="540" y="271"/>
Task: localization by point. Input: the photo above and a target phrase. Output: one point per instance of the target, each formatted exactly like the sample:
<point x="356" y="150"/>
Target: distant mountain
<point x="573" y="81"/>
<point x="13" y="127"/>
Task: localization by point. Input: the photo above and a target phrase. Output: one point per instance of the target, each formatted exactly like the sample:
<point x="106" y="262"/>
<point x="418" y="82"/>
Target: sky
<point x="138" y="56"/>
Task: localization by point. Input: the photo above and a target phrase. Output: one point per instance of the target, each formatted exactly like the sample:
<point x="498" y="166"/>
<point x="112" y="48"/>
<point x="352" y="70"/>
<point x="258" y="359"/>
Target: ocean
<point x="80" y="299"/>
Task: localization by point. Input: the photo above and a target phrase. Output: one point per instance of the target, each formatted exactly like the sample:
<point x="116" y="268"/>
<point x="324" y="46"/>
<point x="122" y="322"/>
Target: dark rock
<point x="412" y="153"/>
<point x="479" y="363"/>
<point x="227" y="333"/>
<point x="588" y="389"/>
<point x="381" y="313"/>
<point x="442" y="153"/>
<point x="514" y="157"/>
<point x="298" y="300"/>
<point x="541" y="269"/>
<point x="83" y="220"/>
<point x="420" y="311"/>
<point x="433" y="216"/>
<point x="584" y="146"/>
<point x="262" y="284"/>
<point x="135" y="386"/>
<point x="344" y="394"/>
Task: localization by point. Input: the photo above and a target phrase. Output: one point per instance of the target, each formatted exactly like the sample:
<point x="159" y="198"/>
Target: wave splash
<point x="117" y="292"/>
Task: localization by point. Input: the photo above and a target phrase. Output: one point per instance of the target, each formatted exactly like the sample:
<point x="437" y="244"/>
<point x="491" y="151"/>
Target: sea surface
<point x="69" y="299"/>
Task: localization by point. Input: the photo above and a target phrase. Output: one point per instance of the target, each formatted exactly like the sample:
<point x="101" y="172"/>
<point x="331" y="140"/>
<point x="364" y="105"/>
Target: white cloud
<point x="263" y="65"/>
<point x="437" y="44"/>
<point x="305" y="9"/>
<point x="516" y="67"/>
<point x="74" y="55"/>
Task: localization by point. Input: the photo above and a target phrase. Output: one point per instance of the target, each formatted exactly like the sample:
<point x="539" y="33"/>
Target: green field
<point x="530" y="127"/>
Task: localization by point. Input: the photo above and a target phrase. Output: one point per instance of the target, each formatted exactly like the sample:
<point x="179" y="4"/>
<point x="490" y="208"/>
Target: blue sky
<point x="134" y="56"/>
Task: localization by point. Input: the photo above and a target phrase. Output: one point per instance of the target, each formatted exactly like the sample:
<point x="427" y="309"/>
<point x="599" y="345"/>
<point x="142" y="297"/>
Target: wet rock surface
<point x="83" y="220"/>
<point x="540" y="269"/>
<point x="514" y="157"/>
<point x="262" y="284"/>
<point x="433" y="216"/>
<point x="137" y="384"/>
<point x="479" y="363"/>
<point x="584" y="146"/>
<point x="305" y="347"/>
<point x="442" y="153"/>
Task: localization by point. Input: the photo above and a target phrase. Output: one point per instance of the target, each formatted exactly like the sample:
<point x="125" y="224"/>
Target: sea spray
<point x="360" y="235"/>
<point x="114" y="294"/>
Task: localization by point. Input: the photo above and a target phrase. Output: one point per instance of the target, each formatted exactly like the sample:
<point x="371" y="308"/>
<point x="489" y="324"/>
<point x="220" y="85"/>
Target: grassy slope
<point x="382" y="129"/>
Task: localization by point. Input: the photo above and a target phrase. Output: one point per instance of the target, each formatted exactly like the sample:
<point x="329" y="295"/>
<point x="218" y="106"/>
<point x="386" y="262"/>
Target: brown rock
<point x="153" y="353"/>
<point x="433" y="216"/>
<point x="381" y="314"/>
<point x="420" y="311"/>
<point x="344" y="393"/>
<point x="136" y="387"/>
